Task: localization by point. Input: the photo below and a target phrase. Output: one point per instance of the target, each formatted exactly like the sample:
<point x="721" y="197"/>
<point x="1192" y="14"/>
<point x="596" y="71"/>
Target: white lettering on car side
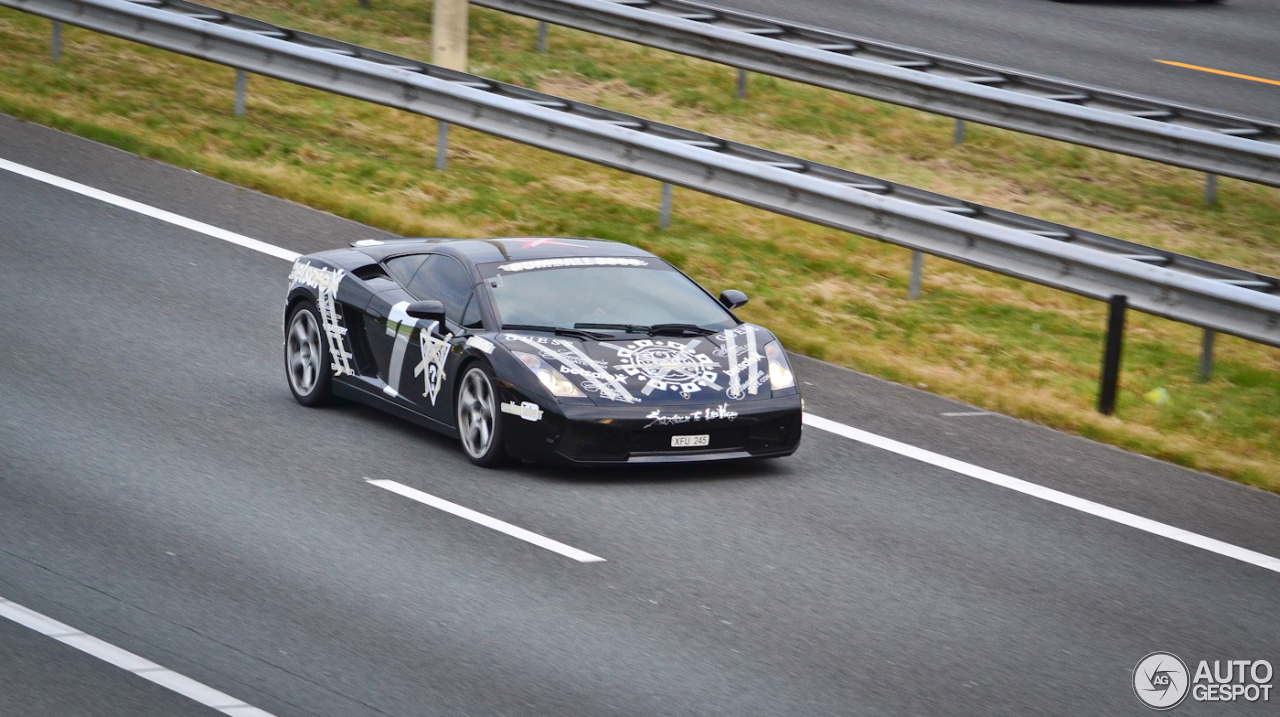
<point x="527" y="410"/>
<point x="480" y="343"/>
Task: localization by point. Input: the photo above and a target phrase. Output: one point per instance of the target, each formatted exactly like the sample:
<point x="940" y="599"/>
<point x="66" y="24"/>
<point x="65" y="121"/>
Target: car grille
<point x="777" y="434"/>
<point x="594" y="443"/>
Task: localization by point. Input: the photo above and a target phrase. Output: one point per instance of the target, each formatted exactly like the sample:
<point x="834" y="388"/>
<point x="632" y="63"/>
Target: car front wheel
<point x="478" y="421"/>
<point x="306" y="357"/>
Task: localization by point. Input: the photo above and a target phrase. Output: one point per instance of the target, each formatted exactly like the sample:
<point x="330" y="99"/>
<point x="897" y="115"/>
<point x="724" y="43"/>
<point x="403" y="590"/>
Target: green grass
<point x="997" y="342"/>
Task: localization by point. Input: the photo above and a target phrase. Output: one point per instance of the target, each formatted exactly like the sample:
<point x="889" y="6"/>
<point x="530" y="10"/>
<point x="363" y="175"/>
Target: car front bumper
<point x="587" y="435"/>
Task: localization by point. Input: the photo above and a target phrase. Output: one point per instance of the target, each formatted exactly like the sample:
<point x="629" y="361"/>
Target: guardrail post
<point x="1206" y="355"/>
<point x="664" y="211"/>
<point x="242" y="82"/>
<point x="958" y="137"/>
<point x="542" y="37"/>
<point x="449" y="34"/>
<point x="742" y="84"/>
<point x="1111" y="358"/>
<point x="55" y="42"/>
<point x="917" y="269"/>
<point x="442" y="146"/>
<point x="1211" y="189"/>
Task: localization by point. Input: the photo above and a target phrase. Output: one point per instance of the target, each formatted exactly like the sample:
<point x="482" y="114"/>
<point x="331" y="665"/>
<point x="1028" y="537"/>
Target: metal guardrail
<point x="1162" y="283"/>
<point x="1200" y="139"/>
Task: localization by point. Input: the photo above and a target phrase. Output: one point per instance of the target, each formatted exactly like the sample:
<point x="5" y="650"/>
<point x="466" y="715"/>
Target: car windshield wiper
<point x="558" y="331"/>
<point x="669" y="329"/>
<point x="681" y="330"/>
<point x="629" y="328"/>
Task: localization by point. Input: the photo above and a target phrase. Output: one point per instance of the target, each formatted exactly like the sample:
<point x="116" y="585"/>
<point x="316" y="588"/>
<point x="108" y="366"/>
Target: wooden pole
<point x="449" y="34"/>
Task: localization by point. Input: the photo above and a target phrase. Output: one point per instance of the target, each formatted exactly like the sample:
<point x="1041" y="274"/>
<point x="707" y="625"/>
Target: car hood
<point x="663" y="370"/>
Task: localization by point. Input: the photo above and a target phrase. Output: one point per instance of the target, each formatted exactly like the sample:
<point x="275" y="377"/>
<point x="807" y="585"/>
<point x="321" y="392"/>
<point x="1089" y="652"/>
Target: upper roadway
<point x="161" y="490"/>
<point x="1109" y="43"/>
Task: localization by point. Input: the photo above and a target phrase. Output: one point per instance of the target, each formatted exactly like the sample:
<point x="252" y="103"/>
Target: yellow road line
<point x="1220" y="72"/>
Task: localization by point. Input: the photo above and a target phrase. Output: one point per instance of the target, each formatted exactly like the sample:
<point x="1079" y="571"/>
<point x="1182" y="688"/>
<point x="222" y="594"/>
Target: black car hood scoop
<point x="660" y="370"/>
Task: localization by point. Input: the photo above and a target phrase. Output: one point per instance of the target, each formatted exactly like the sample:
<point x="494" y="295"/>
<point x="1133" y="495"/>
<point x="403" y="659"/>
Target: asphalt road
<point x="1109" y="43"/>
<point x="161" y="490"/>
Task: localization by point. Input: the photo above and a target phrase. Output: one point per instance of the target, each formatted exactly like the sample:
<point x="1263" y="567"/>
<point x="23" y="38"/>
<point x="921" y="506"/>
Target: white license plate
<point x="690" y="441"/>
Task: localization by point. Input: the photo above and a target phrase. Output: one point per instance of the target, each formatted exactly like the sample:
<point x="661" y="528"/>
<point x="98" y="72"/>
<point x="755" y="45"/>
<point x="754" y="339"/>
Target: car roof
<point x="483" y="251"/>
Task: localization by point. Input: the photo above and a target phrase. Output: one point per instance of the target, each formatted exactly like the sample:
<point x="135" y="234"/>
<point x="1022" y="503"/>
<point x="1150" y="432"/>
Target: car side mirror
<point x="426" y="310"/>
<point x="732" y="298"/>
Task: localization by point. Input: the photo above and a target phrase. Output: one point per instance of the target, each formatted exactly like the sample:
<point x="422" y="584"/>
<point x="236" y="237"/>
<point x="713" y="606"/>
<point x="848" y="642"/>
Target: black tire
<point x="307" y="363"/>
<point x="479" y="418"/>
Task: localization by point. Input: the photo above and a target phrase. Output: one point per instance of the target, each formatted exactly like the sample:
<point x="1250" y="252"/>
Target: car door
<point x="389" y="331"/>
<point x="427" y="379"/>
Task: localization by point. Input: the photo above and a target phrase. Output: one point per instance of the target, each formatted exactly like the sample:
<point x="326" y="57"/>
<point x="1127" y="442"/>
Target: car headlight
<point x="780" y="375"/>
<point x="553" y="380"/>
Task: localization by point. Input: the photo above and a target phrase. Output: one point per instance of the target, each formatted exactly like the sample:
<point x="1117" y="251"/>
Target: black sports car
<point x="576" y="351"/>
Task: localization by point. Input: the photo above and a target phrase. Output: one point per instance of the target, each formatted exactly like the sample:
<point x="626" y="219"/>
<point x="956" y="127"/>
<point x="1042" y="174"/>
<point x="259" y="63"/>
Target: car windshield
<point x="602" y="297"/>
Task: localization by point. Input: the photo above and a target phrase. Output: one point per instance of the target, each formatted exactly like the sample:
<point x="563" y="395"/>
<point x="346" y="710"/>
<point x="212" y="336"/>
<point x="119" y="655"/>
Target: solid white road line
<point x="1049" y="494"/>
<point x="1087" y="506"/>
<point x="149" y="211"/>
<point x="126" y="660"/>
<point x="554" y="546"/>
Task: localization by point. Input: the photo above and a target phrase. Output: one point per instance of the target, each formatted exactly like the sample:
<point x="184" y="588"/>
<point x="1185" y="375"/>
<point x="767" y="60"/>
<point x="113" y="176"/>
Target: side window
<point x="471" y="315"/>
<point x="444" y="279"/>
<point x="402" y="268"/>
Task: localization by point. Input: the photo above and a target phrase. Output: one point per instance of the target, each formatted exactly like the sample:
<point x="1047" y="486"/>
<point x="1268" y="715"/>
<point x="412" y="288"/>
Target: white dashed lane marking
<point x="554" y="546"/>
<point x="148" y="211"/>
<point x="1048" y="494"/>
<point x="125" y="660"/>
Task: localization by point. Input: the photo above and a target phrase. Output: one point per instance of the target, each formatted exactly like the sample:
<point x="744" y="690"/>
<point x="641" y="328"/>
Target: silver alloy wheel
<point x="476" y="413"/>
<point x="304" y="353"/>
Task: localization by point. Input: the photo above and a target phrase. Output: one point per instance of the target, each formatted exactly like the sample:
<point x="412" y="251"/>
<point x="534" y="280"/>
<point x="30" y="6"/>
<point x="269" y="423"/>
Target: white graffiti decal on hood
<point x="574" y="362"/>
<point x="741" y="357"/>
<point x="667" y="366"/>
<point x="325" y="281"/>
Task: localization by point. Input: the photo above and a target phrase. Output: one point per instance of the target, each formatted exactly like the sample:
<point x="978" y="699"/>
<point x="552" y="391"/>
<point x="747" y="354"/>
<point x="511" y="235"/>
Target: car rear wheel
<point x="478" y="420"/>
<point x="306" y="357"/>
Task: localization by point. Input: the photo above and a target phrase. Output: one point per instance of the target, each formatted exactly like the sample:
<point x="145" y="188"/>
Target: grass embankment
<point x="997" y="342"/>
